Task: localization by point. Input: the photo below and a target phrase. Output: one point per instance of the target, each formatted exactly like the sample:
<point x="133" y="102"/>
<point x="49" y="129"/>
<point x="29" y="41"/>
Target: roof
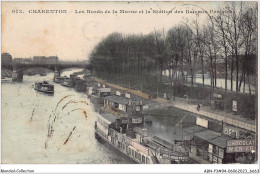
<point x="215" y="138"/>
<point x="220" y="141"/>
<point x="207" y="135"/>
<point x="111" y="118"/>
<point x="194" y="129"/>
<point x="118" y="99"/>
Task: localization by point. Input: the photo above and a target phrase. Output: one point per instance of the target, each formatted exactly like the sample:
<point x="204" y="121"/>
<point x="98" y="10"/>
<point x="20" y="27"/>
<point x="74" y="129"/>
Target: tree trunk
<point x="248" y="81"/>
<point x="231" y="73"/>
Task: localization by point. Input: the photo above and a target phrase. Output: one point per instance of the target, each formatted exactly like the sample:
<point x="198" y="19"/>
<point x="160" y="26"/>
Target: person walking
<point x="198" y="107"/>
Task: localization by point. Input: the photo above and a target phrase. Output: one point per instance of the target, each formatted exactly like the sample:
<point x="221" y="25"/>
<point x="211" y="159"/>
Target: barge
<point x="66" y="82"/>
<point x="121" y="124"/>
<point x="58" y="79"/>
<point x="44" y="87"/>
<point x="127" y="136"/>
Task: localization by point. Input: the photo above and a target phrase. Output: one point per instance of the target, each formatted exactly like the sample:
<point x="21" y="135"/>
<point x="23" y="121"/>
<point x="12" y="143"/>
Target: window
<point x="138" y="156"/>
<point x="148" y="161"/>
<point x="133" y="153"/>
<point x="143" y="159"/>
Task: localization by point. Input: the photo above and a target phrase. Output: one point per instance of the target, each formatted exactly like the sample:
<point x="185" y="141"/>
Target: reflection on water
<point x="58" y="128"/>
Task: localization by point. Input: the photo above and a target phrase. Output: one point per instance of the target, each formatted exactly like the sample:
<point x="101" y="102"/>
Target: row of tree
<point x="223" y="46"/>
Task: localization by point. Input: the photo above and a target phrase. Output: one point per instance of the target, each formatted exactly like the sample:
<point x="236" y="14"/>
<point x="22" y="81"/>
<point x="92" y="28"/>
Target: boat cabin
<point x="123" y="104"/>
<point x="113" y="129"/>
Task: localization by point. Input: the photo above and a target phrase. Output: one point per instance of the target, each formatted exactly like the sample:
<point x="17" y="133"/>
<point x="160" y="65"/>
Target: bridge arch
<point x="18" y="69"/>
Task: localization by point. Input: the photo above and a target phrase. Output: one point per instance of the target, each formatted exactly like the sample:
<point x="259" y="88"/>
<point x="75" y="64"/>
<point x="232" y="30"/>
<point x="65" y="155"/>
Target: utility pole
<point x="157" y="91"/>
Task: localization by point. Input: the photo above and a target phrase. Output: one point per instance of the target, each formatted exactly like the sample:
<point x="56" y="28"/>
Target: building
<point x="23" y="60"/>
<point x="123" y="103"/>
<point x="45" y="60"/>
<point x="6" y="58"/>
<point x="231" y="145"/>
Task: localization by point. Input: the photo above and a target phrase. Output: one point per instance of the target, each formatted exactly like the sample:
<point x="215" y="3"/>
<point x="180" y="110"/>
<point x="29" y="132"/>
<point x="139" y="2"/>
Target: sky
<point x="72" y="36"/>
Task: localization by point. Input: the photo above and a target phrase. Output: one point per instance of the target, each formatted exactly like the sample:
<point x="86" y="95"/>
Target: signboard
<point x="234" y="106"/>
<point x="105" y="89"/>
<point x="136" y="120"/>
<point x="145" y="107"/>
<point x="118" y="93"/>
<point x="230" y="131"/>
<point x="202" y="122"/>
<point x="233" y="149"/>
<point x="241" y="146"/>
<point x="250" y="142"/>
<point x="127" y="95"/>
<point x="210" y="148"/>
<point x="221" y="153"/>
<point x="164" y="95"/>
<point x="122" y="107"/>
<point x="137" y="102"/>
<point x="219" y="96"/>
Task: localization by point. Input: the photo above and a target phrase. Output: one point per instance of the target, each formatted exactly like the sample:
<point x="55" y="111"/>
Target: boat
<point x="80" y="85"/>
<point x="58" y="79"/>
<point x="135" y="142"/>
<point x="42" y="74"/>
<point x="66" y="82"/>
<point x="44" y="87"/>
<point x="30" y="73"/>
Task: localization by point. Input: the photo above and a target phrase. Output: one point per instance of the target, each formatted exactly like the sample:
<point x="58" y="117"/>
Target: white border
<point x="132" y="168"/>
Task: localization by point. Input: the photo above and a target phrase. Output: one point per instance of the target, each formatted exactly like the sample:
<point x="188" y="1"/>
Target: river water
<point x="207" y="81"/>
<point x="68" y="117"/>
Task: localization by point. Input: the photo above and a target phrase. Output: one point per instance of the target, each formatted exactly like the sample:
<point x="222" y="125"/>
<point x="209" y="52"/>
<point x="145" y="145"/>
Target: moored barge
<point x="66" y="82"/>
<point x="134" y="141"/>
<point x="121" y="124"/>
<point x="58" y="79"/>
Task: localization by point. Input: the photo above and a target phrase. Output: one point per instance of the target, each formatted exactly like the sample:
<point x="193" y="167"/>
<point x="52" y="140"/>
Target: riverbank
<point x="205" y="111"/>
